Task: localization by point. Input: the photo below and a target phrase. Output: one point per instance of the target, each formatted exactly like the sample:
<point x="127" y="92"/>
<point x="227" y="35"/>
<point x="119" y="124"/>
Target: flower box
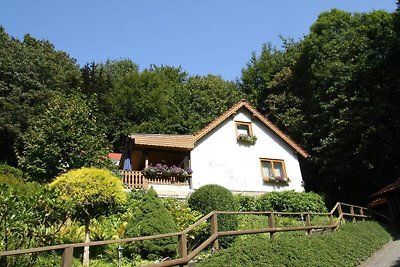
<point x="247" y="139"/>
<point x="276" y="179"/>
<point x="161" y="170"/>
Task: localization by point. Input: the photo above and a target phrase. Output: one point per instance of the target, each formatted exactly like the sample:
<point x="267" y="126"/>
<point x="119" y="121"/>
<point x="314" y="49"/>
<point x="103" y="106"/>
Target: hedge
<point x="348" y="246"/>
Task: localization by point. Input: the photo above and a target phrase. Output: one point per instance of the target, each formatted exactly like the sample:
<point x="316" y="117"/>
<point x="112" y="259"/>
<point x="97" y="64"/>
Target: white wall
<point x="219" y="159"/>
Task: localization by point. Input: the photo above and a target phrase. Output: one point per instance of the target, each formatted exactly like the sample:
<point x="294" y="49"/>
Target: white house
<point x="240" y="150"/>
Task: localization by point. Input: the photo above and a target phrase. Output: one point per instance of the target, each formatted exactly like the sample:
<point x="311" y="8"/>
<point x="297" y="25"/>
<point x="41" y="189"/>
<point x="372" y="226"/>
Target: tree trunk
<point x="87" y="239"/>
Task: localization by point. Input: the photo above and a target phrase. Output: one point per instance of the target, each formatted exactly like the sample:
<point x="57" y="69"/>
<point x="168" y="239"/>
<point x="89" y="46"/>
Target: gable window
<point x="244" y="133"/>
<point x="243" y="128"/>
<point x="273" y="170"/>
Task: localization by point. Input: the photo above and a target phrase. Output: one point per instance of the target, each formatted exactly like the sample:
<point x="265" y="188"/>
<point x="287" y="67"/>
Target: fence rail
<point x="355" y="212"/>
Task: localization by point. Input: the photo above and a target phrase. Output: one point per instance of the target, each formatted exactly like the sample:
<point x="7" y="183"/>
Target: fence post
<point x="331" y="221"/>
<point x="340" y="209"/>
<point x="214" y="230"/>
<point x="362" y="213"/>
<point x="182" y="245"/>
<point x="67" y="256"/>
<point x="352" y="213"/>
<point x="271" y="223"/>
<point x="308" y="223"/>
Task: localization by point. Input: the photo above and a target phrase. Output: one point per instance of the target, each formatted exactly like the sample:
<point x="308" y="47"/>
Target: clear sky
<point x="203" y="36"/>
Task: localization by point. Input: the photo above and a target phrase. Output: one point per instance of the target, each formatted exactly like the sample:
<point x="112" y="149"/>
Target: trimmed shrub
<point x="348" y="246"/>
<point x="216" y="198"/>
<point x="291" y="201"/>
<point x="246" y="203"/>
<point x="151" y="218"/>
<point x="94" y="192"/>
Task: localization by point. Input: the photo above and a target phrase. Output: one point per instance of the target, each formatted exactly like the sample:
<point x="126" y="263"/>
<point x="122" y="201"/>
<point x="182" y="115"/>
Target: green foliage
<point x="8" y="170"/>
<point x="246" y="203"/>
<point x="335" y="92"/>
<point x="151" y="218"/>
<point x="31" y="71"/>
<point x="348" y="246"/>
<point x="65" y="137"/>
<point x="216" y="198"/>
<point x="94" y="191"/>
<point x="31" y="215"/>
<point x="202" y="99"/>
<point x="184" y="217"/>
<point x="291" y="201"/>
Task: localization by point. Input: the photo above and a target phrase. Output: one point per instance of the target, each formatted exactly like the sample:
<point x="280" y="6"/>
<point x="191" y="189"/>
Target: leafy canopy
<point x="66" y="136"/>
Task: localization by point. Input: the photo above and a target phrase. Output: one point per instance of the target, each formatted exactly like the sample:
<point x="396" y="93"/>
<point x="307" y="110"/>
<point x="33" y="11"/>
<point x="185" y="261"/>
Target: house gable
<point x="244" y="104"/>
<point x="218" y="157"/>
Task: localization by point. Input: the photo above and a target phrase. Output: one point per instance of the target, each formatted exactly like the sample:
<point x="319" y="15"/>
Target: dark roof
<point x="377" y="202"/>
<point x="395" y="186"/>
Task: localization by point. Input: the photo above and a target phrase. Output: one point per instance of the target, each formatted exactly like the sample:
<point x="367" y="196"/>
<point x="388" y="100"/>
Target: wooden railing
<point x="136" y="180"/>
<point x="341" y="209"/>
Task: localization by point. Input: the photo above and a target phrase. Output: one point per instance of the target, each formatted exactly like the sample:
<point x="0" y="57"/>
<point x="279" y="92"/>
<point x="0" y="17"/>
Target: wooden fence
<point x="342" y="210"/>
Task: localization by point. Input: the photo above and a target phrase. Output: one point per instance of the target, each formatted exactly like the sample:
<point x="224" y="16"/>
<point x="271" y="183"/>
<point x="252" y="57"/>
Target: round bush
<point x="216" y="198"/>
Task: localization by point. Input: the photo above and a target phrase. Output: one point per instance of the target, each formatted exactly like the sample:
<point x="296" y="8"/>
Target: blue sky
<point x="203" y="37"/>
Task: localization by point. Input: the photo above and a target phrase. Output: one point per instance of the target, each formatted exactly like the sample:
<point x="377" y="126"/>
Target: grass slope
<point x="348" y="246"/>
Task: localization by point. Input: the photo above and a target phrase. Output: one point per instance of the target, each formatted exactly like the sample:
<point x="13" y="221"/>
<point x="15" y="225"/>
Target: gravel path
<point x="388" y="256"/>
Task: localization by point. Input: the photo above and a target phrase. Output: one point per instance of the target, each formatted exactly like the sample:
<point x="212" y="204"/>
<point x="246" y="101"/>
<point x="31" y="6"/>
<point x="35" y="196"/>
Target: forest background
<point x="335" y="92"/>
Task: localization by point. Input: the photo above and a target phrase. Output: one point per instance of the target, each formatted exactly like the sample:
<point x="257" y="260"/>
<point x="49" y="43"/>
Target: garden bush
<point x="246" y="203"/>
<point x="151" y="218"/>
<point x="93" y="192"/>
<point x="184" y="216"/>
<point x="291" y="201"/>
<point x="216" y="198"/>
<point x="348" y="246"/>
<point x="11" y="171"/>
<point x="30" y="216"/>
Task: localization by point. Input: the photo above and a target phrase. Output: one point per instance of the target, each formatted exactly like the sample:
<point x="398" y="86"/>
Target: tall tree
<point x="66" y="136"/>
<point x="337" y="94"/>
<point x="30" y="71"/>
<point x="202" y="99"/>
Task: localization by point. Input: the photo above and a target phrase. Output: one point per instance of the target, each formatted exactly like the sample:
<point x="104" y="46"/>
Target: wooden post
<point x="182" y="248"/>
<point x="146" y="159"/>
<point x="352" y="213"/>
<point x="67" y="256"/>
<point x="214" y="229"/>
<point x="271" y="223"/>
<point x="308" y="223"/>
<point x="331" y="221"/>
<point x="340" y="209"/>
<point x="362" y="213"/>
